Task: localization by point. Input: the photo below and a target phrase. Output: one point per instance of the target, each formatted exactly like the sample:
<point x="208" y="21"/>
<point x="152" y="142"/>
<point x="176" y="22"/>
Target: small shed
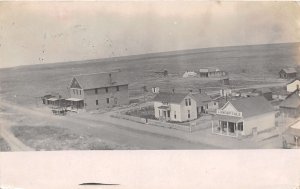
<point x="288" y="73"/>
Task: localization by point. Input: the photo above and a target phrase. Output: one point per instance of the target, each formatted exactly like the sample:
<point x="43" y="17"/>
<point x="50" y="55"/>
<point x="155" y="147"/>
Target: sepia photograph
<point x="149" y="75"/>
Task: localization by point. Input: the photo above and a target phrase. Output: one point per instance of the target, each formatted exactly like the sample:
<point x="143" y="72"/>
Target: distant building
<point x="189" y="74"/>
<point x="290" y="107"/>
<point x="178" y="107"/>
<point x="293" y="85"/>
<point x="101" y="90"/>
<point x="288" y="73"/>
<point x="155" y="90"/>
<point x="244" y="116"/>
<point x="211" y="72"/>
<point x="265" y="92"/>
<point x="204" y="103"/>
<point x="225" y="92"/>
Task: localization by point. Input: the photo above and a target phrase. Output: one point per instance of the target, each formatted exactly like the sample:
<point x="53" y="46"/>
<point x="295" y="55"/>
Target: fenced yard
<point x="145" y="115"/>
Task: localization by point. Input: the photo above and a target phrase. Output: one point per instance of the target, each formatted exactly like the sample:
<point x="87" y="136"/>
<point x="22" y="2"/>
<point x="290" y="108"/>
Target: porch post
<point x="212" y="126"/>
<point x="227" y="128"/>
<point x="221" y="127"/>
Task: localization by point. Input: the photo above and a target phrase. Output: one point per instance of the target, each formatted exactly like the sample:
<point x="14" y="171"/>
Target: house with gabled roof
<point x="293" y="85"/>
<point x="177" y="107"/>
<point x="204" y="103"/>
<point x="99" y="90"/>
<point x="290" y="107"/>
<point x="244" y="116"/>
<point x="288" y="73"/>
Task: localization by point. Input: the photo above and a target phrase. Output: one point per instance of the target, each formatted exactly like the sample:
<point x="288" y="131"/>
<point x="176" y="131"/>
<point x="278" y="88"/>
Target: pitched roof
<point x="252" y="106"/>
<point x="170" y="97"/>
<point x="210" y="69"/>
<point x="291" y="101"/>
<point x="201" y="98"/>
<point x="289" y="70"/>
<point x="293" y="80"/>
<point x="98" y="80"/>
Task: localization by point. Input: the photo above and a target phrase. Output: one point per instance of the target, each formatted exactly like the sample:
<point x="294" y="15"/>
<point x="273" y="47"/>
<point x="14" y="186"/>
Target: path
<point x="14" y="143"/>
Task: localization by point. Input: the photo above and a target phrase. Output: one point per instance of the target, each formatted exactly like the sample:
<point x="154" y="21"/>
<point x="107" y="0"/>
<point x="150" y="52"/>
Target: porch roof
<point x="74" y="99"/>
<point x="52" y="99"/>
<point x="227" y="118"/>
<point x="164" y="107"/>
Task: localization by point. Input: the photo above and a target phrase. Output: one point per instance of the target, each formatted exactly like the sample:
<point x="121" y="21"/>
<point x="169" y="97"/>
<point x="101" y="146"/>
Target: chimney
<point x="109" y="79"/>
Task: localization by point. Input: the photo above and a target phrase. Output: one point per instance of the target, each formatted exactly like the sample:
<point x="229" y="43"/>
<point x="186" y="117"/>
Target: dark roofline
<point x="297" y="78"/>
<point x="96" y="73"/>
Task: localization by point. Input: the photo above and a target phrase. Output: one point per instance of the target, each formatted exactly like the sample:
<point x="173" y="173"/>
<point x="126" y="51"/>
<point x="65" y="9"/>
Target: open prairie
<point x="256" y="63"/>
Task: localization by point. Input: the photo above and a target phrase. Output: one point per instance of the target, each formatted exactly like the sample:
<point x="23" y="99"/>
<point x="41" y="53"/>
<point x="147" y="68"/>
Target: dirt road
<point x="111" y="132"/>
<point x="14" y="143"/>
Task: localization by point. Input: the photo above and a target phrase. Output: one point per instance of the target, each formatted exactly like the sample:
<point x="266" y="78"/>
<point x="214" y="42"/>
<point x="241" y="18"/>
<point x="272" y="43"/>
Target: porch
<point x="164" y="113"/>
<point x="75" y="103"/>
<point x="231" y="126"/>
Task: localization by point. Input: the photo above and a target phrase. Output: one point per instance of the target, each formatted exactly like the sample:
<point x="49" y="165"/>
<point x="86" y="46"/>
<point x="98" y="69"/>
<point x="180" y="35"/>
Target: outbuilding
<point x="288" y="73"/>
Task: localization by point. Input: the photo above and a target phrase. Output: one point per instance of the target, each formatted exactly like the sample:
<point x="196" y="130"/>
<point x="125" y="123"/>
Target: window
<point x="174" y="114"/>
<point x="80" y="92"/>
<point x="240" y="126"/>
<point x="190" y="102"/>
<point x="96" y="102"/>
<point x="96" y="91"/>
<point x="77" y="91"/>
<point x="186" y="102"/>
<point x="73" y="91"/>
<point x="118" y="88"/>
<point x="189" y="114"/>
<point x="168" y="113"/>
<point x="106" y="89"/>
<point x="107" y="100"/>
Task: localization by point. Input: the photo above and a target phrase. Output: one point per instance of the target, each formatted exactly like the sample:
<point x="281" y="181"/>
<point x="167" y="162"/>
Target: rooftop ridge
<point x="97" y="73"/>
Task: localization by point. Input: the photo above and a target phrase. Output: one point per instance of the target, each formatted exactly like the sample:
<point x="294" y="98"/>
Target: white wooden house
<point x="177" y="107"/>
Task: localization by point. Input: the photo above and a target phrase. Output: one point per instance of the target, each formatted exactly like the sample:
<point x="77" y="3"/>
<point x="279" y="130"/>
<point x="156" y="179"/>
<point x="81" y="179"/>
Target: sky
<point x="207" y="169"/>
<point x="49" y="32"/>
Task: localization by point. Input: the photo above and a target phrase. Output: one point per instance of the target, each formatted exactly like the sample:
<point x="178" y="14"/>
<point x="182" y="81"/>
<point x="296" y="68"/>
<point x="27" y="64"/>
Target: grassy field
<point x="3" y="145"/>
<point x="24" y="84"/>
<point x="55" y="138"/>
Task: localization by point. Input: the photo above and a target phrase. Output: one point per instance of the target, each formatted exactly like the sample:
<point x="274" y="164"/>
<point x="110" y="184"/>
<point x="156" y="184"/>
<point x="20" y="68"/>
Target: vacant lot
<point x="55" y="138"/>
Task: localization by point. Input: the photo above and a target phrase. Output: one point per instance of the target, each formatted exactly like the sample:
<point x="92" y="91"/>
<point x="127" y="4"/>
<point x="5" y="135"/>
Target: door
<point x="164" y="114"/>
<point x="231" y="127"/>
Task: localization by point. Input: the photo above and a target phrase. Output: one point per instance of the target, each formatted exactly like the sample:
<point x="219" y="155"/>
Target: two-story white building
<point x="178" y="107"/>
<point x="244" y="116"/>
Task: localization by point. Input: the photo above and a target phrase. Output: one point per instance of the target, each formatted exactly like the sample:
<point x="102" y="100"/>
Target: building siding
<point x="116" y="98"/>
<point x="261" y="122"/>
<point x="184" y="110"/>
